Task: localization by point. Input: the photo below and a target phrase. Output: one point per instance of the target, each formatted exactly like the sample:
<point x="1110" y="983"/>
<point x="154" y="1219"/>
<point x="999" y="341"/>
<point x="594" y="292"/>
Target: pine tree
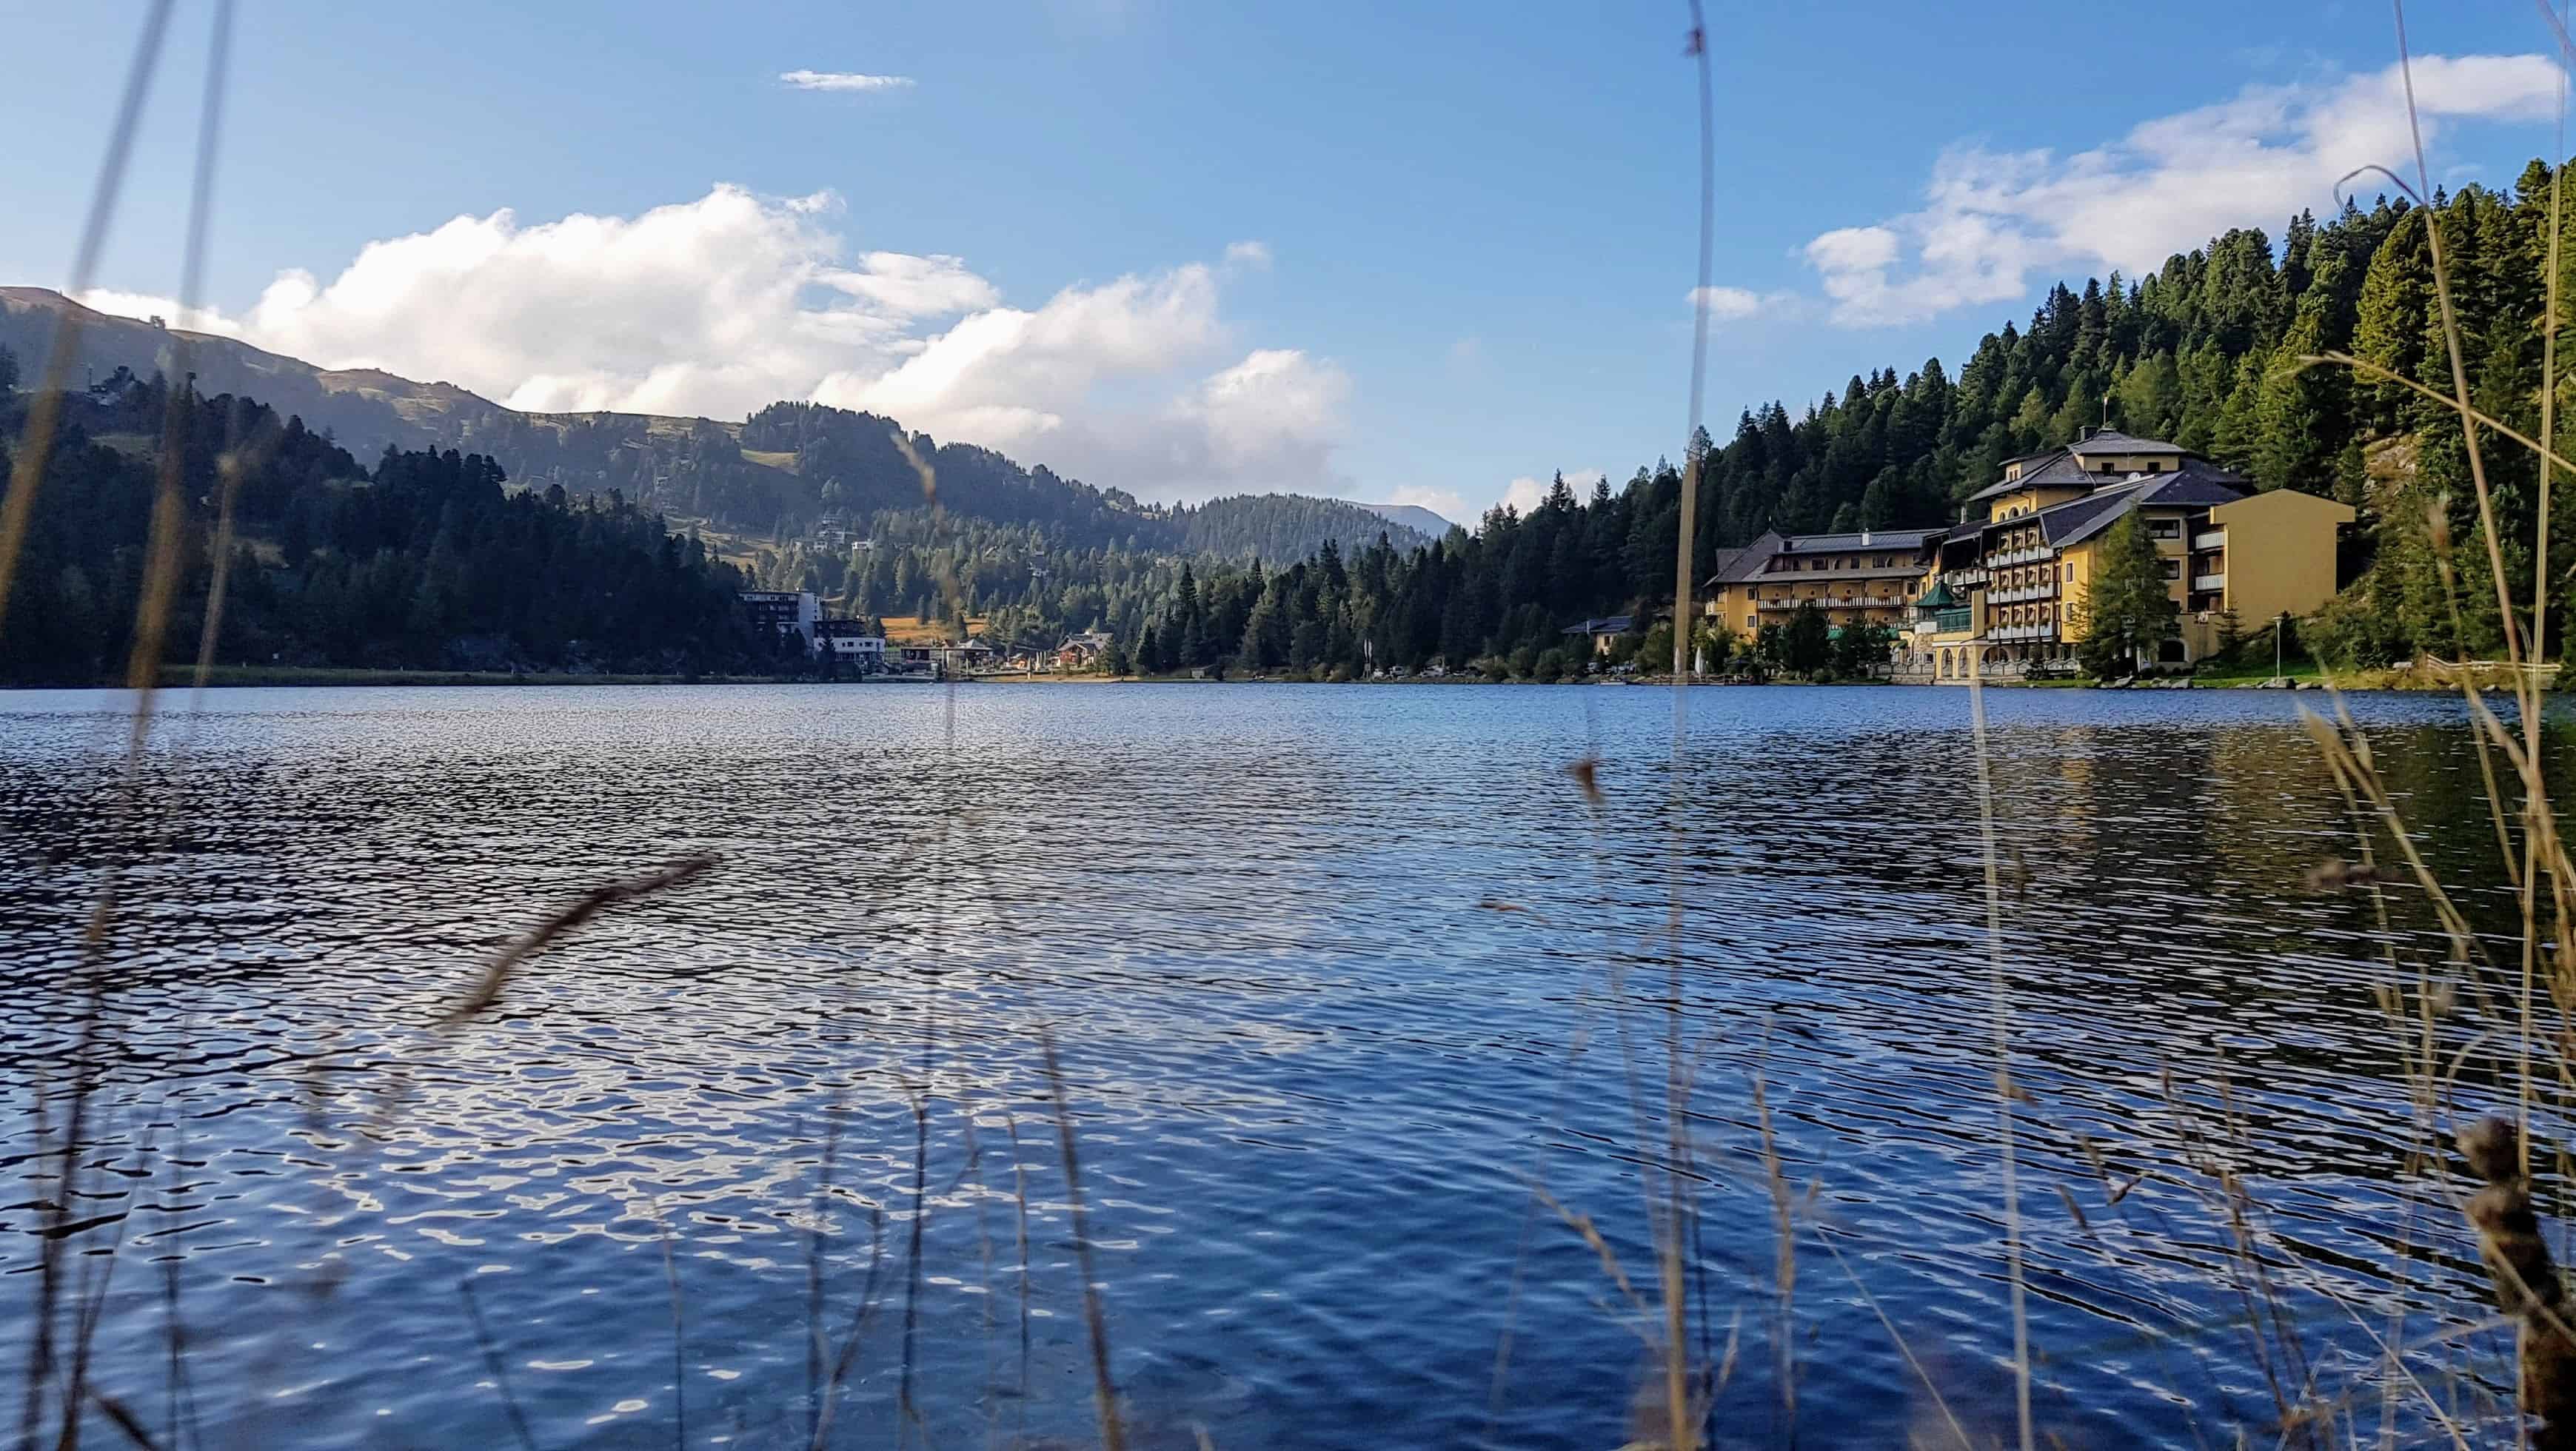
<point x="2129" y="610"/>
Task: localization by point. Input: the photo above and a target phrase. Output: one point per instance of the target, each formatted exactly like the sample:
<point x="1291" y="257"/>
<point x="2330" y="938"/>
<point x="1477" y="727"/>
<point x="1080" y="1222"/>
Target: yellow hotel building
<point x="1995" y="593"/>
<point x="2001" y="594"/>
<point x="1871" y="577"/>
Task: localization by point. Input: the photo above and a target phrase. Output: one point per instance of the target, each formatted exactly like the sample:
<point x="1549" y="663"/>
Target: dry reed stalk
<point x="1784" y="1254"/>
<point x="1677" y="1219"/>
<point x="1113" y="1431"/>
<point x="1999" y="1008"/>
<point x="491" y="1350"/>
<point x="2526" y="1282"/>
<point x="504" y="965"/>
<point x="44" y="416"/>
<point x="2540" y="600"/>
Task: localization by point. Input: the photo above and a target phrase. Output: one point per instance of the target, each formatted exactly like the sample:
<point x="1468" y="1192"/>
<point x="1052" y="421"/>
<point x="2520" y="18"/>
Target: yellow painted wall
<point x="2072" y="592"/>
<point x="2280" y="553"/>
<point x="2031" y="500"/>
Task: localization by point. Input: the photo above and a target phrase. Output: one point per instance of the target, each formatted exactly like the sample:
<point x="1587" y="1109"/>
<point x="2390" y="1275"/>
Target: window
<point x="2070" y="569"/>
<point x="2164" y="528"/>
<point x="2173" y="568"/>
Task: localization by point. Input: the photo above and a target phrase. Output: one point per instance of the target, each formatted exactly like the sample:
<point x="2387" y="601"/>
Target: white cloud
<point x="1252" y="255"/>
<point x="842" y="81"/>
<point x="1523" y="494"/>
<point x="143" y="305"/>
<point x="1449" y="504"/>
<point x="1734" y="304"/>
<point x="724" y="304"/>
<point x="1990" y="218"/>
<point x="1527" y="492"/>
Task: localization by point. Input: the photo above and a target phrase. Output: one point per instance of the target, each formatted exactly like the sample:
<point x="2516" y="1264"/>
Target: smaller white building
<point x="849" y="642"/>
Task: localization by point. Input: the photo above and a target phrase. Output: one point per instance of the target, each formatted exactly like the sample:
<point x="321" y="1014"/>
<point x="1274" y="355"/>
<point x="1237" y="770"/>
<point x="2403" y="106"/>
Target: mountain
<point x="790" y="470"/>
<point x="1412" y="516"/>
<point x="362" y="408"/>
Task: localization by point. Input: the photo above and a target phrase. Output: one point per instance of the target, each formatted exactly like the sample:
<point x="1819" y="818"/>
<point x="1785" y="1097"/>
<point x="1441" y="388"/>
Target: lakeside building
<point x="1082" y="651"/>
<point x="1603" y="632"/>
<point x="1870" y="578"/>
<point x="850" y="642"/>
<point x="784" y="609"/>
<point x="800" y="612"/>
<point x="2001" y="593"/>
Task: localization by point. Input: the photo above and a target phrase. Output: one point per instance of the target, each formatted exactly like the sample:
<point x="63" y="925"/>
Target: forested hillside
<point x="2206" y="352"/>
<point x="423" y="561"/>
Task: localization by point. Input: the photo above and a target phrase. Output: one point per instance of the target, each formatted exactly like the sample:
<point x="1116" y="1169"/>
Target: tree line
<point x="424" y="561"/>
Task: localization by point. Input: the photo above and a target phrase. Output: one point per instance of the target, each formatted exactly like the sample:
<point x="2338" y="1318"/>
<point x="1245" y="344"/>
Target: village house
<point x="1603" y="632"/>
<point x="1082" y="651"/>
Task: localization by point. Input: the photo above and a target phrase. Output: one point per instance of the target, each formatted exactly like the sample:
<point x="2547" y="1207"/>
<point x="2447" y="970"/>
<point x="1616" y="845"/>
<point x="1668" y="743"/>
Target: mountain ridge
<point x="786" y="470"/>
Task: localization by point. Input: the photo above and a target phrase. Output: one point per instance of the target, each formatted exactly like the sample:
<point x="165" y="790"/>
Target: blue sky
<point x="1386" y="251"/>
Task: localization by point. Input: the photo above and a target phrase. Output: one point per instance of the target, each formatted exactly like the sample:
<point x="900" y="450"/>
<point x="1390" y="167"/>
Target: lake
<point x="1338" y="977"/>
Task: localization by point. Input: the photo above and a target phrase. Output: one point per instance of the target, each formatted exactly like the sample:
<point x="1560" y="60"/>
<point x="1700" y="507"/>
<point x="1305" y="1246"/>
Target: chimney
<point x="2084" y="433"/>
<point x="1864" y="539"/>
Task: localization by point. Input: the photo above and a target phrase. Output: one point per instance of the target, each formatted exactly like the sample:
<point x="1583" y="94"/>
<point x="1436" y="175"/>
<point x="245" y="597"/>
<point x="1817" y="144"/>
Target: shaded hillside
<point x="360" y="407"/>
<point x="424" y="561"/>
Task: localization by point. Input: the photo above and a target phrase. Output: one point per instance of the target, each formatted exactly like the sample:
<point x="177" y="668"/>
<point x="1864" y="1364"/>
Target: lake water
<point x="1331" y="971"/>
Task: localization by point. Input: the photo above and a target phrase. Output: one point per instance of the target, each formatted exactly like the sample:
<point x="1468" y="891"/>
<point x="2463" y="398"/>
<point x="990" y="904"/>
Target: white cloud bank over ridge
<point x="727" y="303"/>
<point x="1992" y="218"/>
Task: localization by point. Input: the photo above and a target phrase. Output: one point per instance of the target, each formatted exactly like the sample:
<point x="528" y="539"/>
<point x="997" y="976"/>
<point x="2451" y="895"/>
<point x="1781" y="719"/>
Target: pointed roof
<point x="2064" y="467"/>
<point x="2112" y="440"/>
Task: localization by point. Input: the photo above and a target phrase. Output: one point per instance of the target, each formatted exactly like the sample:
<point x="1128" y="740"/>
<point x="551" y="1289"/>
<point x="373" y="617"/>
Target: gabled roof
<point x="2112" y="440"/>
<point x="2196" y="485"/>
<point x="1753" y="561"/>
<point x="2063" y="468"/>
<point x="1602" y="625"/>
<point x="2059" y="469"/>
<point x="1888" y="539"/>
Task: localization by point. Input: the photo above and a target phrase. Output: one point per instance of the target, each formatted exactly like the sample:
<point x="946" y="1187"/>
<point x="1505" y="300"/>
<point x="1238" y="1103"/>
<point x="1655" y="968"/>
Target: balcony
<point x="2020" y="556"/>
<point x="1963" y="578"/>
<point x="2046" y="591"/>
<point x="2022" y="632"/>
<point x="2208" y="583"/>
<point x="1857" y="602"/>
<point x="2208" y="539"/>
<point x="1943" y="622"/>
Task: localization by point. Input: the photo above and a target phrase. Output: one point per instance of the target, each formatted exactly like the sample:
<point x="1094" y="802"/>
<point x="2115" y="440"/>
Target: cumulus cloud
<point x="1449" y="504"/>
<point x="1991" y="217"/>
<point x="724" y="304"/>
<point x="1734" y="304"/>
<point x="842" y="81"/>
<point x="144" y="305"/>
<point x="1527" y="492"/>
<point x="1524" y="494"/>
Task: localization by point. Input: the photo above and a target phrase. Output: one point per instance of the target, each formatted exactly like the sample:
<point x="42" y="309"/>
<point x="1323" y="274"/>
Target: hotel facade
<point x="2000" y="594"/>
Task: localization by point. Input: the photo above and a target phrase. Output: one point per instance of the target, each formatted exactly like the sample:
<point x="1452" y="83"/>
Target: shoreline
<point x="176" y="677"/>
